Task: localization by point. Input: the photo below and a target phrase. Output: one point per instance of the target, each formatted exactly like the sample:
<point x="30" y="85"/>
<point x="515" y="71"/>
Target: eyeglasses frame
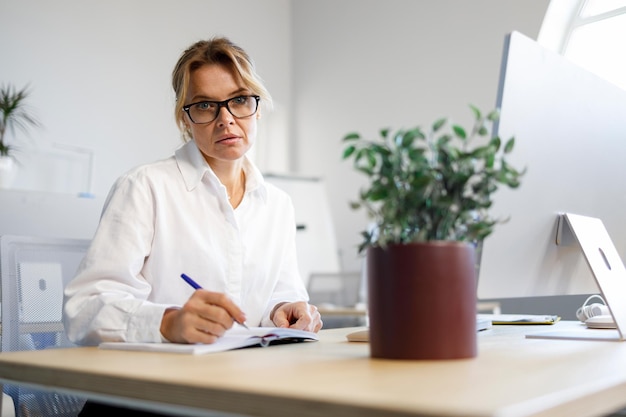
<point x="221" y="104"/>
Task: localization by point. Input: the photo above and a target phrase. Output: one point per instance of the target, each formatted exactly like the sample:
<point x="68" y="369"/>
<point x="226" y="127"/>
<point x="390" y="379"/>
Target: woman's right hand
<point x="203" y="319"/>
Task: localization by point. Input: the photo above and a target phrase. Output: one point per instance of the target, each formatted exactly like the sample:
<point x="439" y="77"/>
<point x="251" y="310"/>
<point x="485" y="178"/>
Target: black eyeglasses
<point x="204" y="112"/>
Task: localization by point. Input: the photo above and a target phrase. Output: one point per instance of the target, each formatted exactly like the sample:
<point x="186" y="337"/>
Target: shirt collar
<point x="193" y="167"/>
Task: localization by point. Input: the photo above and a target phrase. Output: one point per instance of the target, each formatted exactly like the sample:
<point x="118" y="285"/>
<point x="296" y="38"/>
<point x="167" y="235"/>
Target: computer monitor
<point x="570" y="130"/>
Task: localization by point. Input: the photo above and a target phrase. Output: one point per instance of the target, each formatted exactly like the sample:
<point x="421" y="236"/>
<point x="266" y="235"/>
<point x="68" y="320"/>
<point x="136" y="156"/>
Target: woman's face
<point x="226" y="138"/>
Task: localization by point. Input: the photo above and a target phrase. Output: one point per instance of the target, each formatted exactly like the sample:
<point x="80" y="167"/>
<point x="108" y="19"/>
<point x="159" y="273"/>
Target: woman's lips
<point x="228" y="139"/>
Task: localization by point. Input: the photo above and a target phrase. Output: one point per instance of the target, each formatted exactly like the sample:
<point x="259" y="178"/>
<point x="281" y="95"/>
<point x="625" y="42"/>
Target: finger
<point x="214" y="306"/>
<point x="280" y="319"/>
<point x="200" y="310"/>
<point x="318" y="326"/>
<point x="304" y="320"/>
<point x="213" y="326"/>
<point x="185" y="326"/>
<point x="310" y="321"/>
<point x="214" y="319"/>
<point x="304" y="323"/>
<point x="223" y="301"/>
<point x="316" y="319"/>
<point x="200" y="336"/>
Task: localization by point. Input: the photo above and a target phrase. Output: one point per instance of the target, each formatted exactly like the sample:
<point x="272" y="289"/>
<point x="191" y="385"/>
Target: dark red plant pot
<point x="422" y="301"/>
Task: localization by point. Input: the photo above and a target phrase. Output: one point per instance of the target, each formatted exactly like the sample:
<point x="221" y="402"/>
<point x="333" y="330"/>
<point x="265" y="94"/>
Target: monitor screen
<point x="570" y="130"/>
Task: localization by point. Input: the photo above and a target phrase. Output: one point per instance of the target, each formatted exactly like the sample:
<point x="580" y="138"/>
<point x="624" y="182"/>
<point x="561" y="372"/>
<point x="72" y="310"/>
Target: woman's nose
<point x="224" y="117"/>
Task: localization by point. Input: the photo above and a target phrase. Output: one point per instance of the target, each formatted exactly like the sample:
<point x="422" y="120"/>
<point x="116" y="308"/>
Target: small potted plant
<point x="428" y="197"/>
<point x="13" y="115"/>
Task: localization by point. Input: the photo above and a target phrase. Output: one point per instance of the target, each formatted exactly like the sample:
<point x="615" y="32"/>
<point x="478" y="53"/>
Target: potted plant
<point x="13" y="115"/>
<point x="428" y="196"/>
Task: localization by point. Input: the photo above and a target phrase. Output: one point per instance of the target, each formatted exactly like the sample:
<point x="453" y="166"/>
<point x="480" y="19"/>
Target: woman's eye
<point x="239" y="100"/>
<point x="205" y="106"/>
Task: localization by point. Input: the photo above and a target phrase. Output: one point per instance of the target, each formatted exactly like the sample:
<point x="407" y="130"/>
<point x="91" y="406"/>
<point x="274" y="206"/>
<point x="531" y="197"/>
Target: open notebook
<point x="608" y="270"/>
<point x="235" y="338"/>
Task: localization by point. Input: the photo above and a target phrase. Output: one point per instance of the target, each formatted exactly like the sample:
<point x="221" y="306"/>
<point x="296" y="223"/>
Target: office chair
<point x="339" y="297"/>
<point x="340" y="289"/>
<point x="33" y="274"/>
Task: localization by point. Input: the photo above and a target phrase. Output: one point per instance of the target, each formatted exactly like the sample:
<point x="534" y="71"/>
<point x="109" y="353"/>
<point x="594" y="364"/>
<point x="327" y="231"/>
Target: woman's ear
<point x="188" y="129"/>
<point x="187" y="124"/>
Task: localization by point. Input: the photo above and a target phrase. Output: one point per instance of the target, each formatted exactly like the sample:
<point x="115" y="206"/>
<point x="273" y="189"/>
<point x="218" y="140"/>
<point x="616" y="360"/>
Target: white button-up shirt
<point x="171" y="217"/>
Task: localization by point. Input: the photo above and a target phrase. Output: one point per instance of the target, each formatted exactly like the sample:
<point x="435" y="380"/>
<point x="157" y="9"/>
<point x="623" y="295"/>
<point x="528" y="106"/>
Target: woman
<point x="206" y="212"/>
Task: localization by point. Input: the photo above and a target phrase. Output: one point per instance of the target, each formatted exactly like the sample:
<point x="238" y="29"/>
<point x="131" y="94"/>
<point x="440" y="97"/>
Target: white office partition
<point x="42" y="213"/>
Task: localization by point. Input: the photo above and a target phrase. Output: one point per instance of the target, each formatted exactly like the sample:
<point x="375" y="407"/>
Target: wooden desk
<point x="512" y="377"/>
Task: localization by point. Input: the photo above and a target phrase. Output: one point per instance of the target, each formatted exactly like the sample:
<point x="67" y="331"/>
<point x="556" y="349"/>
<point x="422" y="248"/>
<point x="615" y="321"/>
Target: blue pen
<point x="191" y="282"/>
<point x="197" y="286"/>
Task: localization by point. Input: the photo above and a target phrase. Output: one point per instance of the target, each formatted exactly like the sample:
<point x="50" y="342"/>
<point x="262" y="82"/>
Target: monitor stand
<point x="607" y="268"/>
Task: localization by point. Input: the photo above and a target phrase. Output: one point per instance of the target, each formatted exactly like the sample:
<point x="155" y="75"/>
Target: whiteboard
<point x="315" y="236"/>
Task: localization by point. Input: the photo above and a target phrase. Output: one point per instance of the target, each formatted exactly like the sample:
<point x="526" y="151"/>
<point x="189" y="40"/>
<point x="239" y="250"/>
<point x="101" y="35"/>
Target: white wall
<point x="100" y="70"/>
<point x="361" y="65"/>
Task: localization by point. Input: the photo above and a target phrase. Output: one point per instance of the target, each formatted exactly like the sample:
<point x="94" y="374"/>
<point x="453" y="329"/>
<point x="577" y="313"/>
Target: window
<point x="589" y="33"/>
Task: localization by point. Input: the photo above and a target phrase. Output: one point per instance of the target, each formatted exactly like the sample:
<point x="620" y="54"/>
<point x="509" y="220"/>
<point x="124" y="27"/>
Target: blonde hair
<point x="219" y="51"/>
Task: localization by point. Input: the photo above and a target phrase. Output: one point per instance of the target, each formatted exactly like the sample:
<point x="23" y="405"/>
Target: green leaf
<point x="477" y="113"/>
<point x="493" y="115"/>
<point x="408" y="138"/>
<point x="490" y="160"/>
<point x="351" y="136"/>
<point x="419" y="134"/>
<point x="496" y="142"/>
<point x="348" y="151"/>
<point x="365" y="170"/>
<point x="509" y="145"/>
<point x="382" y="150"/>
<point x="439" y="124"/>
<point x="379" y="194"/>
<point x="459" y="132"/>
<point x="14" y="114"/>
<point x="443" y="140"/>
<point x="371" y="158"/>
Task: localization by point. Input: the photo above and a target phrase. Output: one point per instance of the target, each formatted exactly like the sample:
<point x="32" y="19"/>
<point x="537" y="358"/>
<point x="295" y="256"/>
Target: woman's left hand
<point x="297" y="315"/>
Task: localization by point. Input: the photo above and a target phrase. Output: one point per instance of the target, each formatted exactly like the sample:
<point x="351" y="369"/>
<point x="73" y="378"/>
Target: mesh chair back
<point x="33" y="274"/>
<point x="340" y="289"/>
